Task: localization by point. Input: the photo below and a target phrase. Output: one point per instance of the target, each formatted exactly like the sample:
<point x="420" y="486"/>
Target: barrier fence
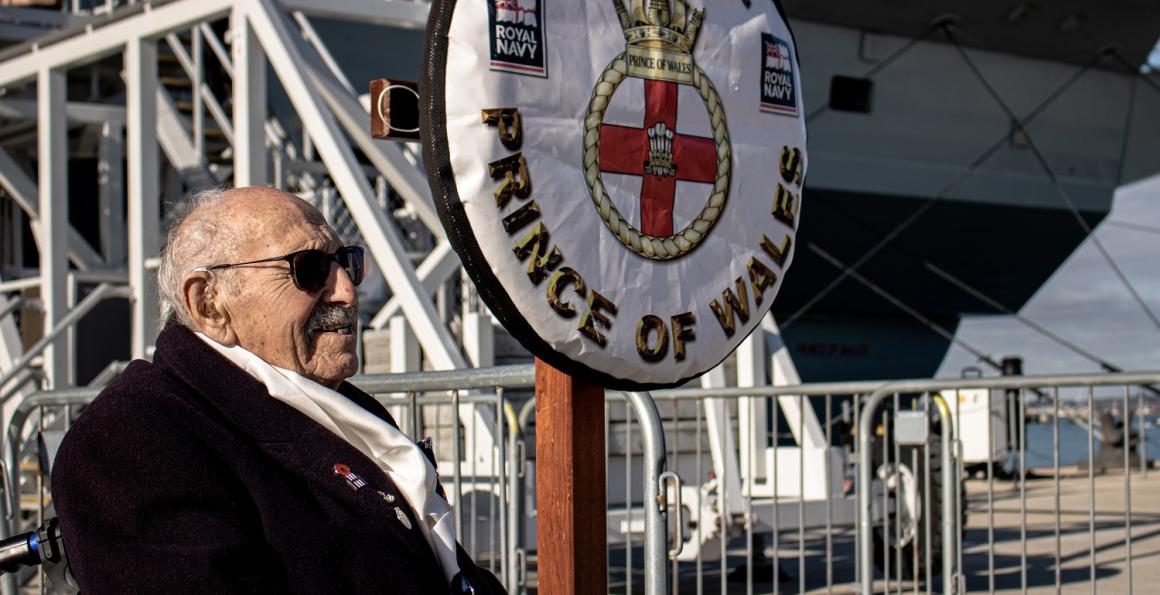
<point x="1054" y="563"/>
<point x="828" y="488"/>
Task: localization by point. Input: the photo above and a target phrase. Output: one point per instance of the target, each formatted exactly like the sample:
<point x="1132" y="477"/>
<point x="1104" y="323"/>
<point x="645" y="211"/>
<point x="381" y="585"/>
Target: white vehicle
<point x="975" y="407"/>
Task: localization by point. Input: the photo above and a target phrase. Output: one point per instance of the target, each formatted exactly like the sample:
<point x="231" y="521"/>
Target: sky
<point x="1084" y="302"/>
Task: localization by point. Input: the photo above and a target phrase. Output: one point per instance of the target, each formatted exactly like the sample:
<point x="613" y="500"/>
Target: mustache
<point x="331" y="316"/>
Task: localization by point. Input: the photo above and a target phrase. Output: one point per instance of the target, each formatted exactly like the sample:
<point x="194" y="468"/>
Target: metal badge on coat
<point x="403" y="517"/>
<point x="353" y="480"/>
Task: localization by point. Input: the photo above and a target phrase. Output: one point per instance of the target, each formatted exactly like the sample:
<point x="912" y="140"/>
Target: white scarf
<point x="396" y="454"/>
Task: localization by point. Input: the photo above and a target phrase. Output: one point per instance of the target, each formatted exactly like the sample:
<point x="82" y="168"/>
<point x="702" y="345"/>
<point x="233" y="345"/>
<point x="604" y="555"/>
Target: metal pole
<point x="1127" y="423"/>
<point x="866" y="523"/>
<point x="1091" y="491"/>
<point x="950" y="535"/>
<point x="1143" y="437"/>
<point x="144" y="202"/>
<point x="991" y="490"/>
<point x="1055" y="466"/>
<point x="111" y="193"/>
<point x="198" y="50"/>
<point x="457" y="465"/>
<point x="1022" y="436"/>
<point x="897" y="497"/>
<point x="956" y="441"/>
<point x="14" y="304"/>
<point x="499" y="448"/>
<point x="52" y="156"/>
<point x="515" y="497"/>
<point x="249" y="64"/>
<point x="655" y="520"/>
<point x="858" y="512"/>
<point x="801" y="536"/>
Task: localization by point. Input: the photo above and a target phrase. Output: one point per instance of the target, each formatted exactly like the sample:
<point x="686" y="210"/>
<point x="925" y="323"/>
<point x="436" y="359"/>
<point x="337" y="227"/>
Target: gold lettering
<point x="789" y="164"/>
<point x="560" y="279"/>
<point x="543" y="258"/>
<point x="516" y="181"/>
<point x="779" y="255"/>
<point x="507" y="120"/>
<point x="682" y="333"/>
<point x="760" y="277"/>
<point x="784" y="206"/>
<point x="649" y="325"/>
<point x="521" y="217"/>
<point x="594" y="315"/>
<point x="724" y="311"/>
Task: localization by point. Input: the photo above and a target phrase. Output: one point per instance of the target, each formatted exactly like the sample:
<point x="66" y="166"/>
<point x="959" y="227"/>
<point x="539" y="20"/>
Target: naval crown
<point x="659" y="24"/>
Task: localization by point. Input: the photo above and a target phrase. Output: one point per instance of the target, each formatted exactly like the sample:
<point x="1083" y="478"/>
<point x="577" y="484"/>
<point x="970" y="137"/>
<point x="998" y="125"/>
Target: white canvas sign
<point x="622" y="179"/>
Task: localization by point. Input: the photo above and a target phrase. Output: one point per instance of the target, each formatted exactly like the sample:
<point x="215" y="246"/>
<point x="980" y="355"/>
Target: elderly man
<point x="240" y="460"/>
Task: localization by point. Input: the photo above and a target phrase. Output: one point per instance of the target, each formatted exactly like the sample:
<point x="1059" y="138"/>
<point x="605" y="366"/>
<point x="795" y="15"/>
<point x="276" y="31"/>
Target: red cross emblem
<point x="626" y="150"/>
<point x="659" y="51"/>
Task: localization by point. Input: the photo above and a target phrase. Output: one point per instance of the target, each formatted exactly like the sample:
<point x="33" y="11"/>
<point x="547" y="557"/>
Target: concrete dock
<point x="1079" y="549"/>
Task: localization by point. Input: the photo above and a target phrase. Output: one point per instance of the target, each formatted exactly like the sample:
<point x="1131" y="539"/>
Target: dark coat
<point x="185" y="476"/>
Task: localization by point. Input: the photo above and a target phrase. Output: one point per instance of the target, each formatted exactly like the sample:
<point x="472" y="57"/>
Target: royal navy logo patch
<point x="778" y="86"/>
<point x="517" y="36"/>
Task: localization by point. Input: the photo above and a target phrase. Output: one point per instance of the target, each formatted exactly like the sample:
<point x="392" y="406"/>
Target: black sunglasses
<point x="311" y="268"/>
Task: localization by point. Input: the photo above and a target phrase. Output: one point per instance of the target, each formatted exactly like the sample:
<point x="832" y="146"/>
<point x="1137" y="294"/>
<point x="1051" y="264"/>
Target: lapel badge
<point x="388" y="497"/>
<point x="352" y="479"/>
<point x="403" y="517"/>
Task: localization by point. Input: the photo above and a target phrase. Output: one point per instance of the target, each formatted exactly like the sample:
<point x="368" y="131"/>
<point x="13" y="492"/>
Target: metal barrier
<point x="760" y="491"/>
<point x="489" y="489"/>
<point x="955" y="570"/>
<point x="736" y="503"/>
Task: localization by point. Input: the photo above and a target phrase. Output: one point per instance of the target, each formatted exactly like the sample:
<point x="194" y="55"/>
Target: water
<point x="1073" y="441"/>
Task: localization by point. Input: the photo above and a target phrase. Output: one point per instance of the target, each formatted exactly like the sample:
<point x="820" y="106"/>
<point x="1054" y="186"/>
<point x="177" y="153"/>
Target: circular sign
<point x="622" y="179"/>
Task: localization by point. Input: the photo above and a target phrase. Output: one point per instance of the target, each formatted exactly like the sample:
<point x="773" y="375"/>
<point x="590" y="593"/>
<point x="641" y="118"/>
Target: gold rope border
<point x="682" y="242"/>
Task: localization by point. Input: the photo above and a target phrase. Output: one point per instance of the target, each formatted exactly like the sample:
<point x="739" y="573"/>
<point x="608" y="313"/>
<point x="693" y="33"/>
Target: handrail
<point x="102" y="292"/>
<point x="211" y="102"/>
<point x="22" y="378"/>
<point x="656" y="543"/>
<point x="523" y="376"/>
<point x="12" y="305"/>
<point x="19" y="284"/>
<point x="219" y="50"/>
<point x="516" y="376"/>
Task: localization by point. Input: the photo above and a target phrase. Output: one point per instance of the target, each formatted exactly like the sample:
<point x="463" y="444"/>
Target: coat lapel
<point x="295" y="441"/>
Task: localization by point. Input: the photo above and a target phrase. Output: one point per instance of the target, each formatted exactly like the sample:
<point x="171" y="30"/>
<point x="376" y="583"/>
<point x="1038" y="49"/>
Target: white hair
<point x="192" y="242"/>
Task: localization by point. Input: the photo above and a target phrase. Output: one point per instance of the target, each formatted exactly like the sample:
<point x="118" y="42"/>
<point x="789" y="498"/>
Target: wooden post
<point x="570" y="484"/>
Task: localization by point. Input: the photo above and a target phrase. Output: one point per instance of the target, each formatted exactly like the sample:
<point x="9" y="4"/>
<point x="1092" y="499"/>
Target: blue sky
<point x="1084" y="302"/>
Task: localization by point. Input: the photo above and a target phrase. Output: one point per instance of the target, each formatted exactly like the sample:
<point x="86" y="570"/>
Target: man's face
<point x="314" y="333"/>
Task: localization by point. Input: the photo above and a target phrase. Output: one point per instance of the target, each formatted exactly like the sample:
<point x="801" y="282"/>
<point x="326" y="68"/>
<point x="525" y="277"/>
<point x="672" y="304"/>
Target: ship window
<point x="849" y="94"/>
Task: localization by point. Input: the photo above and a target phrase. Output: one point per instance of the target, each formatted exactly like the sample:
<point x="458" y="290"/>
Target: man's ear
<point x="206" y="308"/>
